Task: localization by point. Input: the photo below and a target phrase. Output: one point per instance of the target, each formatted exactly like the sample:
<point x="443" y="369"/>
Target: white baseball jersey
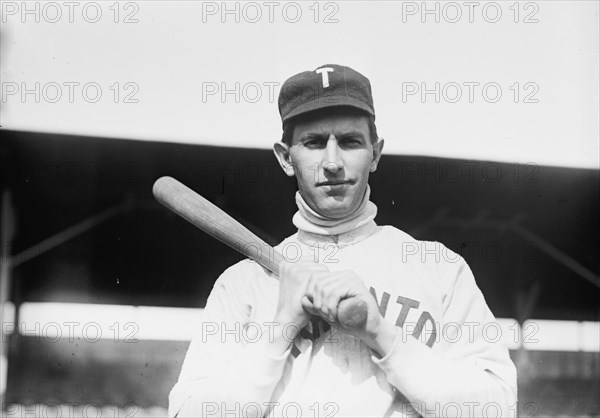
<point x="449" y="358"/>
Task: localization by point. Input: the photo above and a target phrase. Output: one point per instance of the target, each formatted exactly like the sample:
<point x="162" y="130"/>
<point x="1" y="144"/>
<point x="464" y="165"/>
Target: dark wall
<point x="147" y="255"/>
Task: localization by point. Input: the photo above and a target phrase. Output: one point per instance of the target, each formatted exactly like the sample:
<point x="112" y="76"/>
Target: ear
<point x="282" y="153"/>
<point x="377" y="151"/>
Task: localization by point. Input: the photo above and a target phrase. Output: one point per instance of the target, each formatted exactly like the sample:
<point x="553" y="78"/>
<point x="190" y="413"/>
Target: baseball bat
<point x="200" y="212"/>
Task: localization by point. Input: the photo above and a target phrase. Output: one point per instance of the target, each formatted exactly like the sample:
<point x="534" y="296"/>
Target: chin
<point x="336" y="211"/>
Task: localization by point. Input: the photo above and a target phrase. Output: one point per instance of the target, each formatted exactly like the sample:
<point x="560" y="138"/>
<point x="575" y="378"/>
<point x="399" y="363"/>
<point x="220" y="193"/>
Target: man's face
<point x="331" y="157"/>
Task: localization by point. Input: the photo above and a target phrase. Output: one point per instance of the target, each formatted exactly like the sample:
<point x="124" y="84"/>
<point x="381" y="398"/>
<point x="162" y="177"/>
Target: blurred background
<point x="490" y="117"/>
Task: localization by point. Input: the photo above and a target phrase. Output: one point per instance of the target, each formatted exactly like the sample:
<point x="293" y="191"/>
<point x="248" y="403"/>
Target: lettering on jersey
<point x="316" y="329"/>
<point x="406" y="305"/>
<point x="385" y="298"/>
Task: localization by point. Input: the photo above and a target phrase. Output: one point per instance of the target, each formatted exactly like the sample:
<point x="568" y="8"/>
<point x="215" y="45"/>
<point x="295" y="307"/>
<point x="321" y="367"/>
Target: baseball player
<point x="271" y="346"/>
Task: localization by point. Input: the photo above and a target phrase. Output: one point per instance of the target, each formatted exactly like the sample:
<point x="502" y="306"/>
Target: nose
<point x="333" y="161"/>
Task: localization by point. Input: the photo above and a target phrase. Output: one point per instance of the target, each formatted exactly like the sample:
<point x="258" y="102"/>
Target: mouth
<point x="335" y="183"/>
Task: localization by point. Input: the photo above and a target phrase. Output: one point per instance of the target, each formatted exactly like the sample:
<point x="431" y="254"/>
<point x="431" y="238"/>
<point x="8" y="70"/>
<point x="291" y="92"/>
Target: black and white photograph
<point x="299" y="208"/>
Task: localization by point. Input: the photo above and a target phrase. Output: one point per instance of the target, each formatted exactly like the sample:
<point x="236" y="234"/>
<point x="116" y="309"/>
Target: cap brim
<point x="326" y="102"/>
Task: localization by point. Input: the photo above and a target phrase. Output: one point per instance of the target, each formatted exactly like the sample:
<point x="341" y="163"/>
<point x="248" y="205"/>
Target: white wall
<point x="177" y="49"/>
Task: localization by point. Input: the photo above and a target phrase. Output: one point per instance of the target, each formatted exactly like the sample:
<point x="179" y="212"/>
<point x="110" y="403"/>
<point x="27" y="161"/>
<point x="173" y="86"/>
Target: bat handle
<point x="352" y="312"/>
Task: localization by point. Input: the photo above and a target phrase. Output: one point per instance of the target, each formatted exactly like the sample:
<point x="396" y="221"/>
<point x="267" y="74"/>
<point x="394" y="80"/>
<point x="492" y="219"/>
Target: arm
<point x="473" y="375"/>
<point x="224" y="372"/>
<point x="470" y="376"/>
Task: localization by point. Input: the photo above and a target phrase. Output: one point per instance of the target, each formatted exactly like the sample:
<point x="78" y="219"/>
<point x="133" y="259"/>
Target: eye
<point x="314" y="143"/>
<point x="351" y="142"/>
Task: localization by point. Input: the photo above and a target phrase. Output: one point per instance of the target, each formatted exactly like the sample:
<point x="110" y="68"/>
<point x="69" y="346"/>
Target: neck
<point x="315" y="228"/>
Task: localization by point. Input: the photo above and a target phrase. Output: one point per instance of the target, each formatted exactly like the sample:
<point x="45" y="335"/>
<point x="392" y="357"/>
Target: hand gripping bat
<point x="352" y="312"/>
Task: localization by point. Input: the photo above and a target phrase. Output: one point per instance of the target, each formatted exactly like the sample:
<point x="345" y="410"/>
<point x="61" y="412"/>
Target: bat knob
<point x="352" y="313"/>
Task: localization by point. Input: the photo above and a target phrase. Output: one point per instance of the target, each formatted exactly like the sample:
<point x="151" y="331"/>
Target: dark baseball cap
<point x="329" y="85"/>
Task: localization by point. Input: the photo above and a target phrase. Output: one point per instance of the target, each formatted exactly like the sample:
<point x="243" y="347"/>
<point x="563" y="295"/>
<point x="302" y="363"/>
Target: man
<point x="274" y="346"/>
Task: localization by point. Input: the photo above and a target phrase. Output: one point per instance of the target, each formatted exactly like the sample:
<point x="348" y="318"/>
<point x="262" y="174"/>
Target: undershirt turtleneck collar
<point x="316" y="229"/>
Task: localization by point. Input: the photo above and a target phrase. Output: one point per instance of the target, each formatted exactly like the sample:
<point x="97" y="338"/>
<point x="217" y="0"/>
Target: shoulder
<point x="391" y="232"/>
<point x="433" y="256"/>
<point x="239" y="288"/>
<point x="241" y="274"/>
<point x="447" y="270"/>
<point x="248" y="271"/>
<point x="417" y="247"/>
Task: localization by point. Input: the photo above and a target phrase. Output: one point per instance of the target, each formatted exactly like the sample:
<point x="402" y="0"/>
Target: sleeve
<point x="225" y="371"/>
<point x="472" y="375"/>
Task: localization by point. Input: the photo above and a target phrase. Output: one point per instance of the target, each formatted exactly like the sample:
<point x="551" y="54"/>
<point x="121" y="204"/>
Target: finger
<point x="341" y="285"/>
<point x="314" y="277"/>
<point x="328" y="289"/>
<point x="307" y="305"/>
<point x="315" y="293"/>
<point x="333" y="300"/>
<point x="351" y="284"/>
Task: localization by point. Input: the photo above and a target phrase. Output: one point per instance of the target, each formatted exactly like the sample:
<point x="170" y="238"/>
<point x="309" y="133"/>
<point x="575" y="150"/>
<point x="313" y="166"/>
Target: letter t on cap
<point x="325" y="74"/>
